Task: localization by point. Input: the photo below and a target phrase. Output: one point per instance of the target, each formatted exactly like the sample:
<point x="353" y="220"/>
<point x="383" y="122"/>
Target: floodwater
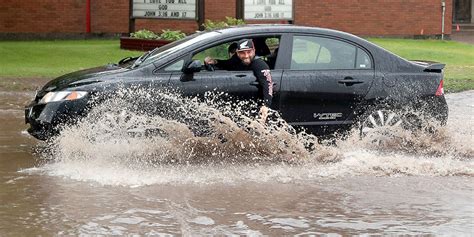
<point x="420" y="185"/>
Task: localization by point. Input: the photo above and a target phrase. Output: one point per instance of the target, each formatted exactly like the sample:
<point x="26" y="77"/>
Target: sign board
<point x="268" y="10"/>
<point x="169" y="9"/>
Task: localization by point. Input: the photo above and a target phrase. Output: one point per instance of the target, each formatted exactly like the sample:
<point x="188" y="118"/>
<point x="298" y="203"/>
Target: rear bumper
<point x="46" y="120"/>
<point x="435" y="107"/>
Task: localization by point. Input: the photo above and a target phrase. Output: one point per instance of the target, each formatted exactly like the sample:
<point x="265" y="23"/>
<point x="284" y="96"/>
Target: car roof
<point x="273" y="27"/>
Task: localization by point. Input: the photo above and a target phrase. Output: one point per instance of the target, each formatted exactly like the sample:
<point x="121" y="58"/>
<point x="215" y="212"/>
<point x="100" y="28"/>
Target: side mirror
<point x="192" y="67"/>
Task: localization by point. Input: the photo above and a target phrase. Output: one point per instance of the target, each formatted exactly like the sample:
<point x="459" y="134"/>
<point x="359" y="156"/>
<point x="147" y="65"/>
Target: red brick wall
<point x="375" y="17"/>
<point x="109" y="16"/>
<point x="42" y="16"/>
<point x="217" y="10"/>
<point x="361" y="17"/>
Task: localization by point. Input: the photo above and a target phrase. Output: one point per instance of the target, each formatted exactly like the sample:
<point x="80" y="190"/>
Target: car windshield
<point x="172" y="47"/>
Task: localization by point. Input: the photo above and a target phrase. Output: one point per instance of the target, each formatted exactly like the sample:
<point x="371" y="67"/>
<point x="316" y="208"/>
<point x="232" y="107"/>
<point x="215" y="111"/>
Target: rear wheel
<point x="387" y="121"/>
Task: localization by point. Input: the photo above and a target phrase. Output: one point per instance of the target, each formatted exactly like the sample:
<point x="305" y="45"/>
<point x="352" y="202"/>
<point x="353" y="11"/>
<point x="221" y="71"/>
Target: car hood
<point x="82" y="77"/>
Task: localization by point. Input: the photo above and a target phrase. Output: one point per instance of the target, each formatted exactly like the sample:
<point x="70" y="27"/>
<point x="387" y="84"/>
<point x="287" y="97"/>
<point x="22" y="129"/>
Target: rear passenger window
<point x="317" y="53"/>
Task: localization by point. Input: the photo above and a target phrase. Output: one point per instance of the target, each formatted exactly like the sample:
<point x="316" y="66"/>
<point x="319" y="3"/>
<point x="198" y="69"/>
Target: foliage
<point x="217" y="52"/>
<point x="172" y="35"/>
<point x="234" y="21"/>
<point x="144" y="34"/>
<point x="272" y="42"/>
<point x="229" y="21"/>
<point x="166" y="34"/>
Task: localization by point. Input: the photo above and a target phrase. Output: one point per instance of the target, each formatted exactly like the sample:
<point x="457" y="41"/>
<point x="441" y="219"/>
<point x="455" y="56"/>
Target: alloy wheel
<point x="381" y="121"/>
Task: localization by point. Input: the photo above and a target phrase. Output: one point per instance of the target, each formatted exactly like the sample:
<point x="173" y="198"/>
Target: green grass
<point x="458" y="57"/>
<point x="33" y="59"/>
<point x="48" y="59"/>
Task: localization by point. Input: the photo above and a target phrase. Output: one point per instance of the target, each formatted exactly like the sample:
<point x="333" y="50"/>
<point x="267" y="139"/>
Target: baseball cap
<point x="244" y="44"/>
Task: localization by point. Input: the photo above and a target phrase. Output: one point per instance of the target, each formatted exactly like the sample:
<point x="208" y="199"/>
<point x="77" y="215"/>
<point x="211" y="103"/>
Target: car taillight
<point x="440" y="90"/>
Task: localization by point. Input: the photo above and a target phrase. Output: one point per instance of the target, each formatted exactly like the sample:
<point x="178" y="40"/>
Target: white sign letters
<point x="179" y="9"/>
<point x="268" y="10"/>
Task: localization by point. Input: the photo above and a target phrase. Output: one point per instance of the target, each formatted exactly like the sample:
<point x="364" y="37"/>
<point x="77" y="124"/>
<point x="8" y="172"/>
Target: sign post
<point x="131" y="20"/>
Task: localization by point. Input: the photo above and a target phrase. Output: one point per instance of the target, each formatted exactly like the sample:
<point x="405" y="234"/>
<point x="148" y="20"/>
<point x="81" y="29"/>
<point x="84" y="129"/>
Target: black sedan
<point x="324" y="80"/>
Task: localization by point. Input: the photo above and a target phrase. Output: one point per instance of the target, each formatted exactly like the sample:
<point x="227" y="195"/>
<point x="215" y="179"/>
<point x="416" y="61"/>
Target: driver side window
<point x="217" y="52"/>
<point x="266" y="47"/>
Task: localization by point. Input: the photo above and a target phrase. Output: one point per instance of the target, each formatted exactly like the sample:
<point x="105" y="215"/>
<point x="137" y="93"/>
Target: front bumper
<point x="46" y="120"/>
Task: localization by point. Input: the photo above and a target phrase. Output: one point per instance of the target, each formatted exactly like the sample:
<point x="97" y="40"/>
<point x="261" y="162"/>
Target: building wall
<point x="361" y="17"/>
<point x="42" y="16"/>
<point x="375" y="17"/>
<point x="109" y="16"/>
<point x="218" y="9"/>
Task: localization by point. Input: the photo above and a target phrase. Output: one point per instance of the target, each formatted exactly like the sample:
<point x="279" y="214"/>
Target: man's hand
<point x="209" y="60"/>
<point x="263" y="114"/>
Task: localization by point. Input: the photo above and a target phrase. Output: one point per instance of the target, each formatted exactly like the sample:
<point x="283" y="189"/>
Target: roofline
<point x="284" y="27"/>
<point x="289" y="28"/>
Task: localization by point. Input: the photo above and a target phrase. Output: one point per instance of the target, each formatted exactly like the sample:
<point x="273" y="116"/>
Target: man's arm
<point x="262" y="71"/>
<point x="225" y="64"/>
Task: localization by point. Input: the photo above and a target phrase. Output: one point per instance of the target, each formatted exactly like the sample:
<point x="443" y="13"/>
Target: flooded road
<point x="360" y="189"/>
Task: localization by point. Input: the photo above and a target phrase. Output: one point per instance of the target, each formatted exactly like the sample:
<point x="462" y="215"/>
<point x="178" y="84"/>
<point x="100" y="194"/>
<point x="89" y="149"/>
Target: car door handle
<point x="240" y="75"/>
<point x="349" y="81"/>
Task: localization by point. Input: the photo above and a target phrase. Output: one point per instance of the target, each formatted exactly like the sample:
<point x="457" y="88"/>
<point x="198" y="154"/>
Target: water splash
<point x="186" y="131"/>
<point x="144" y="137"/>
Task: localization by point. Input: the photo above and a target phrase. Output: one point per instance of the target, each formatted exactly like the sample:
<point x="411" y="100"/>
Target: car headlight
<point x="62" y="96"/>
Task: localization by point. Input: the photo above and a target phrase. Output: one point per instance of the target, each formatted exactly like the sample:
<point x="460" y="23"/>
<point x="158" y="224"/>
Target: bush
<point x="172" y="35"/>
<point x="166" y="35"/>
<point x="230" y="21"/>
<point x="144" y="34"/>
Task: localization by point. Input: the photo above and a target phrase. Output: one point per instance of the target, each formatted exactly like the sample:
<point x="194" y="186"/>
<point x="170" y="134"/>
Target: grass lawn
<point x="48" y="59"/>
<point x="33" y="59"/>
